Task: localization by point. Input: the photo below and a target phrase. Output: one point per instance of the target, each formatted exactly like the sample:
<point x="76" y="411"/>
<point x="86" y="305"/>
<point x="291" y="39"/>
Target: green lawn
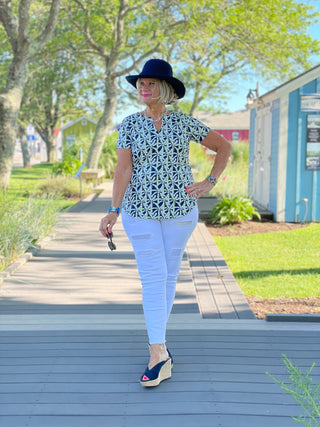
<point x="275" y="265"/>
<point x="28" y="180"/>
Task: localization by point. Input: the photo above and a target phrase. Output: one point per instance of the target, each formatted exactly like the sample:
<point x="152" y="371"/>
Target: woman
<point x="154" y="185"/>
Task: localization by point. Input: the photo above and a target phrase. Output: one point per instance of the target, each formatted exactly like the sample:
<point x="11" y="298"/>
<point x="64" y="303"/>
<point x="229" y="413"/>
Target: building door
<point x="262" y="157"/>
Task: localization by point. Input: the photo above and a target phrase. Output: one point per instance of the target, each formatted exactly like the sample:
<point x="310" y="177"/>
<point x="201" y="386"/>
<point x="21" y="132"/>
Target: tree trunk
<point x="50" y="146"/>
<point x="24" y="147"/>
<point x="9" y="108"/>
<point x="103" y="123"/>
<point x="47" y="135"/>
<point x="23" y="45"/>
<point x="196" y="99"/>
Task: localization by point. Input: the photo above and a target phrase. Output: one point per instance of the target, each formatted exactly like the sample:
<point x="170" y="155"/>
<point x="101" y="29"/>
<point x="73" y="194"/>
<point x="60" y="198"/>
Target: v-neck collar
<point x="149" y="119"/>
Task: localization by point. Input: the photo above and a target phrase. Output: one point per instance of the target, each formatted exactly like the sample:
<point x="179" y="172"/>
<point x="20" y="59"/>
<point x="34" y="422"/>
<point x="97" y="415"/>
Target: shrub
<point x="304" y="392"/>
<point x="24" y="223"/>
<point x="230" y="211"/>
<point x="64" y="186"/>
<point x="69" y="164"/>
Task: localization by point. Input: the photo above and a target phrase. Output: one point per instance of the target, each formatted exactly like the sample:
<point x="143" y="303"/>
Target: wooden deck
<point x="82" y="370"/>
<point x="73" y="341"/>
<point x="219" y="295"/>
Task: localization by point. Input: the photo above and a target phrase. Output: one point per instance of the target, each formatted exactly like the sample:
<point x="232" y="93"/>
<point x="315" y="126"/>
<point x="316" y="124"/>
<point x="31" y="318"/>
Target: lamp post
<point x="253" y="95"/>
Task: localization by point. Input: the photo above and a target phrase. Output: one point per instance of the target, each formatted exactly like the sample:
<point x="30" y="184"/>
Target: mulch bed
<point x="251" y="227"/>
<point x="261" y="307"/>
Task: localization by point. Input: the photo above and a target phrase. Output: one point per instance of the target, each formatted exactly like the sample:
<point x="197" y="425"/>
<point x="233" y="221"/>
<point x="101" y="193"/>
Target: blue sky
<point x="237" y="101"/>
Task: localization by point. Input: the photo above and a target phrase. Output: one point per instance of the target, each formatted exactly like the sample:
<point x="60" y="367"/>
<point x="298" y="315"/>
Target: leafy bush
<point x="64" y="186"/>
<point x="306" y="394"/>
<point x="67" y="166"/>
<point x="24" y="223"/>
<point x="230" y="211"/>
<point x="70" y="162"/>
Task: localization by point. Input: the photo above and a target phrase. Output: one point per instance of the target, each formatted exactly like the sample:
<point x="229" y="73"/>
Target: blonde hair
<point x="167" y="93"/>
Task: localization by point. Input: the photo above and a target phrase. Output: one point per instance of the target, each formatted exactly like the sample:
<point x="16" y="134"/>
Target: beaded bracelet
<point x="114" y="209"/>
<point x="212" y="179"/>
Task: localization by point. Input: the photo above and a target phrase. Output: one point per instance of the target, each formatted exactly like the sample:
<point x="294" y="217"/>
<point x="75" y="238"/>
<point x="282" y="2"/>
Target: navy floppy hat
<point x="162" y="70"/>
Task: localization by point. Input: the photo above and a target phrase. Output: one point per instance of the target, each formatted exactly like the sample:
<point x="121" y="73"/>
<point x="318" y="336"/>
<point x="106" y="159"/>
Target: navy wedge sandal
<point x="160" y="372"/>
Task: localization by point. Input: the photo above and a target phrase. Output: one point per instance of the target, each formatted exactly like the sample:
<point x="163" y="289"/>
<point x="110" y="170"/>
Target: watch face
<point x="113" y="209"/>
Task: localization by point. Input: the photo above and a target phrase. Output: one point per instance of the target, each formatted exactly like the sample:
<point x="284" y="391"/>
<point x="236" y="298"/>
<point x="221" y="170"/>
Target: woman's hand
<point x="198" y="189"/>
<point x="107" y="223"/>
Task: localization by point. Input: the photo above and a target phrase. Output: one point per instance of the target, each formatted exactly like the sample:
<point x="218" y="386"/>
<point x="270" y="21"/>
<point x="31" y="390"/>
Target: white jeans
<point x="158" y="246"/>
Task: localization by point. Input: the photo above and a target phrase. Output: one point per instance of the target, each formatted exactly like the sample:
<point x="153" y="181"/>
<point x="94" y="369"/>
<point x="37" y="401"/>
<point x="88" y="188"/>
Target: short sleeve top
<point x="160" y="160"/>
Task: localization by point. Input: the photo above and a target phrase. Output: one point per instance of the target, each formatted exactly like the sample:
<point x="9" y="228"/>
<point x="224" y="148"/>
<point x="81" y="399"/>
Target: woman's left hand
<point x="198" y="189"/>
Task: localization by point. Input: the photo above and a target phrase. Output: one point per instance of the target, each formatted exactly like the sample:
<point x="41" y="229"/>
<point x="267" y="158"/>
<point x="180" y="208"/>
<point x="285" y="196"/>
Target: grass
<point x="23" y="223"/>
<point x="234" y="180"/>
<point x="275" y="265"/>
<point x="39" y="180"/>
<point x="30" y="208"/>
<point x="26" y="181"/>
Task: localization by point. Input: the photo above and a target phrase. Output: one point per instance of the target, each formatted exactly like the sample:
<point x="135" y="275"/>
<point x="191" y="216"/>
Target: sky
<point x="237" y="101"/>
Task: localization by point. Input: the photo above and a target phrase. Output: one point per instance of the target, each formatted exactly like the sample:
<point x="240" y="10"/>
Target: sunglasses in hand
<point x="111" y="245"/>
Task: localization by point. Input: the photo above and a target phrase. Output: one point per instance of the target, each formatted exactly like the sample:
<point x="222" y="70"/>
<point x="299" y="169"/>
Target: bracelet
<point x="114" y="209"/>
<point x="212" y="179"/>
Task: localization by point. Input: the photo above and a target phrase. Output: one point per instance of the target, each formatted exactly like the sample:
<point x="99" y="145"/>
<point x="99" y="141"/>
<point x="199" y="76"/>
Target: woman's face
<point x="149" y="91"/>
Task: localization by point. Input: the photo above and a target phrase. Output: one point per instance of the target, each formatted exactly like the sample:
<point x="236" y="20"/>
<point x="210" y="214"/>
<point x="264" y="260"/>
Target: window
<point x="235" y="136"/>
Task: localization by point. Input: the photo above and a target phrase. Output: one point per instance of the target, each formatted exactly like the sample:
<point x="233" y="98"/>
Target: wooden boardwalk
<point x="219" y="295"/>
<point x="73" y="341"/>
<point x="82" y="370"/>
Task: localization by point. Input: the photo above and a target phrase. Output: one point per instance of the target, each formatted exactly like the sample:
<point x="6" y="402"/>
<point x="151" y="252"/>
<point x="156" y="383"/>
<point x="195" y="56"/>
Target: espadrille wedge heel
<point x="153" y="377"/>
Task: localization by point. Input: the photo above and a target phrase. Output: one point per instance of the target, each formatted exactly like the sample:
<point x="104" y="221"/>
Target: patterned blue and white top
<point x="161" y="169"/>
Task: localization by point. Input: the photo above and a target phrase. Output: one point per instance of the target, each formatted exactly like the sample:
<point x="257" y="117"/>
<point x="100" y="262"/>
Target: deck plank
<point x="219" y="295"/>
<point x="63" y="379"/>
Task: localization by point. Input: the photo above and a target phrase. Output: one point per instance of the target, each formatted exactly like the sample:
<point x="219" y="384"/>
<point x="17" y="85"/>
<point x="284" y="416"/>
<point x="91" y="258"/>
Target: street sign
<point x="30" y="130"/>
<point x="79" y="171"/>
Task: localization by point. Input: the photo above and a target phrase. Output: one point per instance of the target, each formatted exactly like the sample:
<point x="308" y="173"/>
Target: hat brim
<point x="177" y="85"/>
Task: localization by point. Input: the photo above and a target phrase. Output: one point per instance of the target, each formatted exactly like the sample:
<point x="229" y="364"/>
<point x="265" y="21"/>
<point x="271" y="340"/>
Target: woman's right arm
<point x="121" y="179"/>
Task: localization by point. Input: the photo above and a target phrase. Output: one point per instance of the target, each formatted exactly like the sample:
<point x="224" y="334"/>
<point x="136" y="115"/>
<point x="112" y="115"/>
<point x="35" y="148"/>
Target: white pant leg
<point x="176" y="234"/>
<point x="146" y="238"/>
<point x="158" y="246"/>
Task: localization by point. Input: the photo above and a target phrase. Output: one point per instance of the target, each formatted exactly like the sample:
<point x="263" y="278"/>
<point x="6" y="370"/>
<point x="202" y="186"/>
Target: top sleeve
<point x="124" y="137"/>
<point x="196" y="129"/>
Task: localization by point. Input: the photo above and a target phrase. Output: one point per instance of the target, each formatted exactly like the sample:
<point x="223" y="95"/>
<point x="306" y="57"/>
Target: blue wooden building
<point x="284" y="155"/>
